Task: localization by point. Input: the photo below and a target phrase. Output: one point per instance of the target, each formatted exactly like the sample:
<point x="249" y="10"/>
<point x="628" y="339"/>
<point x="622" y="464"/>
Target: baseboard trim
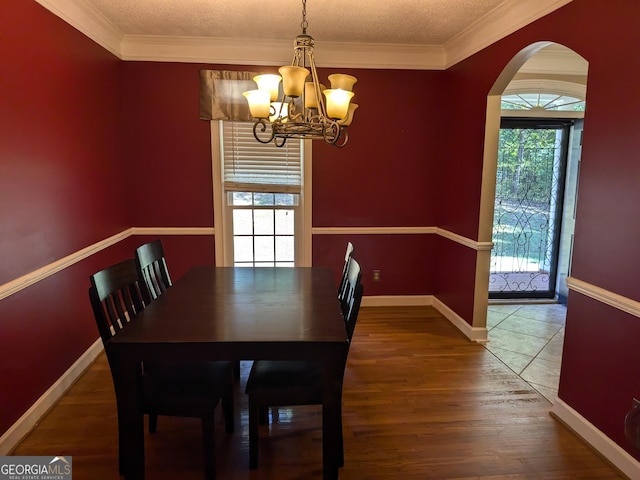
<point x="606" y="447"/>
<point x="12" y="437"/>
<point x="474" y="334"/>
<point x="397" y="301"/>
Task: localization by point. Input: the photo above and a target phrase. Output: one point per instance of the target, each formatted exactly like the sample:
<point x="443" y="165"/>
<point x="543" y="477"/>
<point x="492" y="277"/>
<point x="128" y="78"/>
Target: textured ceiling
<point x="423" y="22"/>
<point x="389" y="34"/>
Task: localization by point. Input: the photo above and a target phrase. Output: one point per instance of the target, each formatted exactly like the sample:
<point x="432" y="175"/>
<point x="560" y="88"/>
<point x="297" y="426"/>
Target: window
<point x="263" y="228"/>
<point x="541" y="102"/>
<point x="261" y="199"/>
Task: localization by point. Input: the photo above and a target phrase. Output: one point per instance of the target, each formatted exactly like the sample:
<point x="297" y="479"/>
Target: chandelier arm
<point x="316" y="84"/>
<point x="330" y="131"/>
<point x="279" y="145"/>
<point x="293" y="114"/>
<point x="296" y="57"/>
<point x="263" y="128"/>
<point x="344" y="133"/>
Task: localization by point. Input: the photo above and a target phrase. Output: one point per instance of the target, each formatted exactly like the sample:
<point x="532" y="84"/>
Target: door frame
<point x="543" y="123"/>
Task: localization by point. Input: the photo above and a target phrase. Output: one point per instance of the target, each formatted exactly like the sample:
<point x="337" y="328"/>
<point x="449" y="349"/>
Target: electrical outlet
<point x="376" y="275"/>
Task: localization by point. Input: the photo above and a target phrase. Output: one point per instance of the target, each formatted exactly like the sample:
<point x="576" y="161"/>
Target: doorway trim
<point x="489" y="171"/>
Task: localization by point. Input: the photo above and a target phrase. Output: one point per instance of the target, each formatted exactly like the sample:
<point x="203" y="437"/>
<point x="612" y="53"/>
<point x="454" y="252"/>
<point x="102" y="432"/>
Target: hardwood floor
<point x="419" y="401"/>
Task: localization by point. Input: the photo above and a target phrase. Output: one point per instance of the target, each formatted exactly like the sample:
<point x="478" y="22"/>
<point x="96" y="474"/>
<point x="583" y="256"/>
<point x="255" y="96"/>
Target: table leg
<point x="126" y="376"/>
<point x="332" y="443"/>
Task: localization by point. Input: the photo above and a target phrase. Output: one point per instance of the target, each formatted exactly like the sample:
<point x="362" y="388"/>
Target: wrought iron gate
<point x="532" y="158"/>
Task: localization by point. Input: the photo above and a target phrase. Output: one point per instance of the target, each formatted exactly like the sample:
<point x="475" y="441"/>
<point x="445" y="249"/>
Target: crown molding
<point x="555" y="60"/>
<point x="504" y="20"/>
<point x="260" y="52"/>
<point x="497" y="24"/>
<point x="86" y="19"/>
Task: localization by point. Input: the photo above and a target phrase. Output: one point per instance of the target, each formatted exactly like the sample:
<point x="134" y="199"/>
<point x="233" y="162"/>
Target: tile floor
<point x="528" y="338"/>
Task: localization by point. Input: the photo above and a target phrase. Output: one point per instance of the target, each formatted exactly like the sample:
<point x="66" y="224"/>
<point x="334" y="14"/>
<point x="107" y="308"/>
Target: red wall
<point x="59" y="151"/>
<point x="385" y="175"/>
<point x="92" y="146"/>
<point x="387" y="183"/>
<point x="600" y="362"/>
<point x="60" y="178"/>
<point x="405" y="261"/>
<point x="169" y="147"/>
<point x="601" y="365"/>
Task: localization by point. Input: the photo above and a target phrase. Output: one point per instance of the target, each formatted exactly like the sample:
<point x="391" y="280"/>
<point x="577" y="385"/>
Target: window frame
<point x="223" y="213"/>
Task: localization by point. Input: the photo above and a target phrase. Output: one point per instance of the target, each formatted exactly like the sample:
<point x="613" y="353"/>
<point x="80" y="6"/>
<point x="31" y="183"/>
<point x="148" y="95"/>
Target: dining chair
<point x="352" y="296"/>
<point x="152" y="268"/>
<point x="276" y="383"/>
<point x="343" y="278"/>
<point x="171" y="389"/>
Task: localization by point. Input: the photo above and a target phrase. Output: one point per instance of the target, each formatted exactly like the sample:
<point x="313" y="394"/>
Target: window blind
<point x="249" y="165"/>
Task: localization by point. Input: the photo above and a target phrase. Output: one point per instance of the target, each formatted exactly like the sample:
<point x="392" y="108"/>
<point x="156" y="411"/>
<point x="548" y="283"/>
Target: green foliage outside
<point x="525" y="188"/>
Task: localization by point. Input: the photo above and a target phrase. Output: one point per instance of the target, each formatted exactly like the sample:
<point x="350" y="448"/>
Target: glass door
<point x="532" y="157"/>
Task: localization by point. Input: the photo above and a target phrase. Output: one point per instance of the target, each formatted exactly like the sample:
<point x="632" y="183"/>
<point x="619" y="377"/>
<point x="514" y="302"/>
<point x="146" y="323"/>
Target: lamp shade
<point x="343" y="81"/>
<point x="259" y="102"/>
<point x="346" y="121"/>
<point x="269" y="82"/>
<point x="310" y="97"/>
<point x="293" y="79"/>
<point x="337" y="102"/>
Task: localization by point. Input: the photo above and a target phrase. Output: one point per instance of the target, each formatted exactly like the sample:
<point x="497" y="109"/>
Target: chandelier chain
<point x="304" y="24"/>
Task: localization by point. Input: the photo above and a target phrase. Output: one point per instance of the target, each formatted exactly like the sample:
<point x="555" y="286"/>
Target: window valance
<point x="221" y="95"/>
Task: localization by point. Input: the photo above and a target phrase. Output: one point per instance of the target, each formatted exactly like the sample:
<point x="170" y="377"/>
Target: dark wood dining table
<point x="225" y="313"/>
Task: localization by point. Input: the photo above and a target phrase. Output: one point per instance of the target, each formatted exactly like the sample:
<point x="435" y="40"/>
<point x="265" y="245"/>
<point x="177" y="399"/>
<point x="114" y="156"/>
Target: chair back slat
<point x="353" y="296"/>
<point x="152" y="269"/>
<point x="116" y="297"/>
<point x="352" y="278"/>
<point x="343" y="278"/>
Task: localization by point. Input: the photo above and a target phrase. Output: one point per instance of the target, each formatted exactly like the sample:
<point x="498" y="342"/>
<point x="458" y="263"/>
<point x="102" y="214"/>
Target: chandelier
<point x="301" y="111"/>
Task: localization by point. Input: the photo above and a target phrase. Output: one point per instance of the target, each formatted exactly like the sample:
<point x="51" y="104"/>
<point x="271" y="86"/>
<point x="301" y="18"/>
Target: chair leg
<point x="153" y="423"/>
<point x="236" y="370"/>
<point x="122" y="464"/>
<point x="254" y="414"/>
<point x="263" y="415"/>
<point x="341" y="445"/>
<point x="208" y="444"/>
<point x="228" y="410"/>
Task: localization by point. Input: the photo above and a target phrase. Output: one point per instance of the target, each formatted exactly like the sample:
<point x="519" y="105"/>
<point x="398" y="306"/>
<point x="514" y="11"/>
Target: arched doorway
<point x="545" y="84"/>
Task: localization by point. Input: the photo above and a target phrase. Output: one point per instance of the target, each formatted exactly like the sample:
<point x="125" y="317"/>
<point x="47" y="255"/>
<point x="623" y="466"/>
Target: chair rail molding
<point x="29" y="279"/>
<point x="467" y="242"/>
<point x="172" y="231"/>
<point x="614" y="300"/>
